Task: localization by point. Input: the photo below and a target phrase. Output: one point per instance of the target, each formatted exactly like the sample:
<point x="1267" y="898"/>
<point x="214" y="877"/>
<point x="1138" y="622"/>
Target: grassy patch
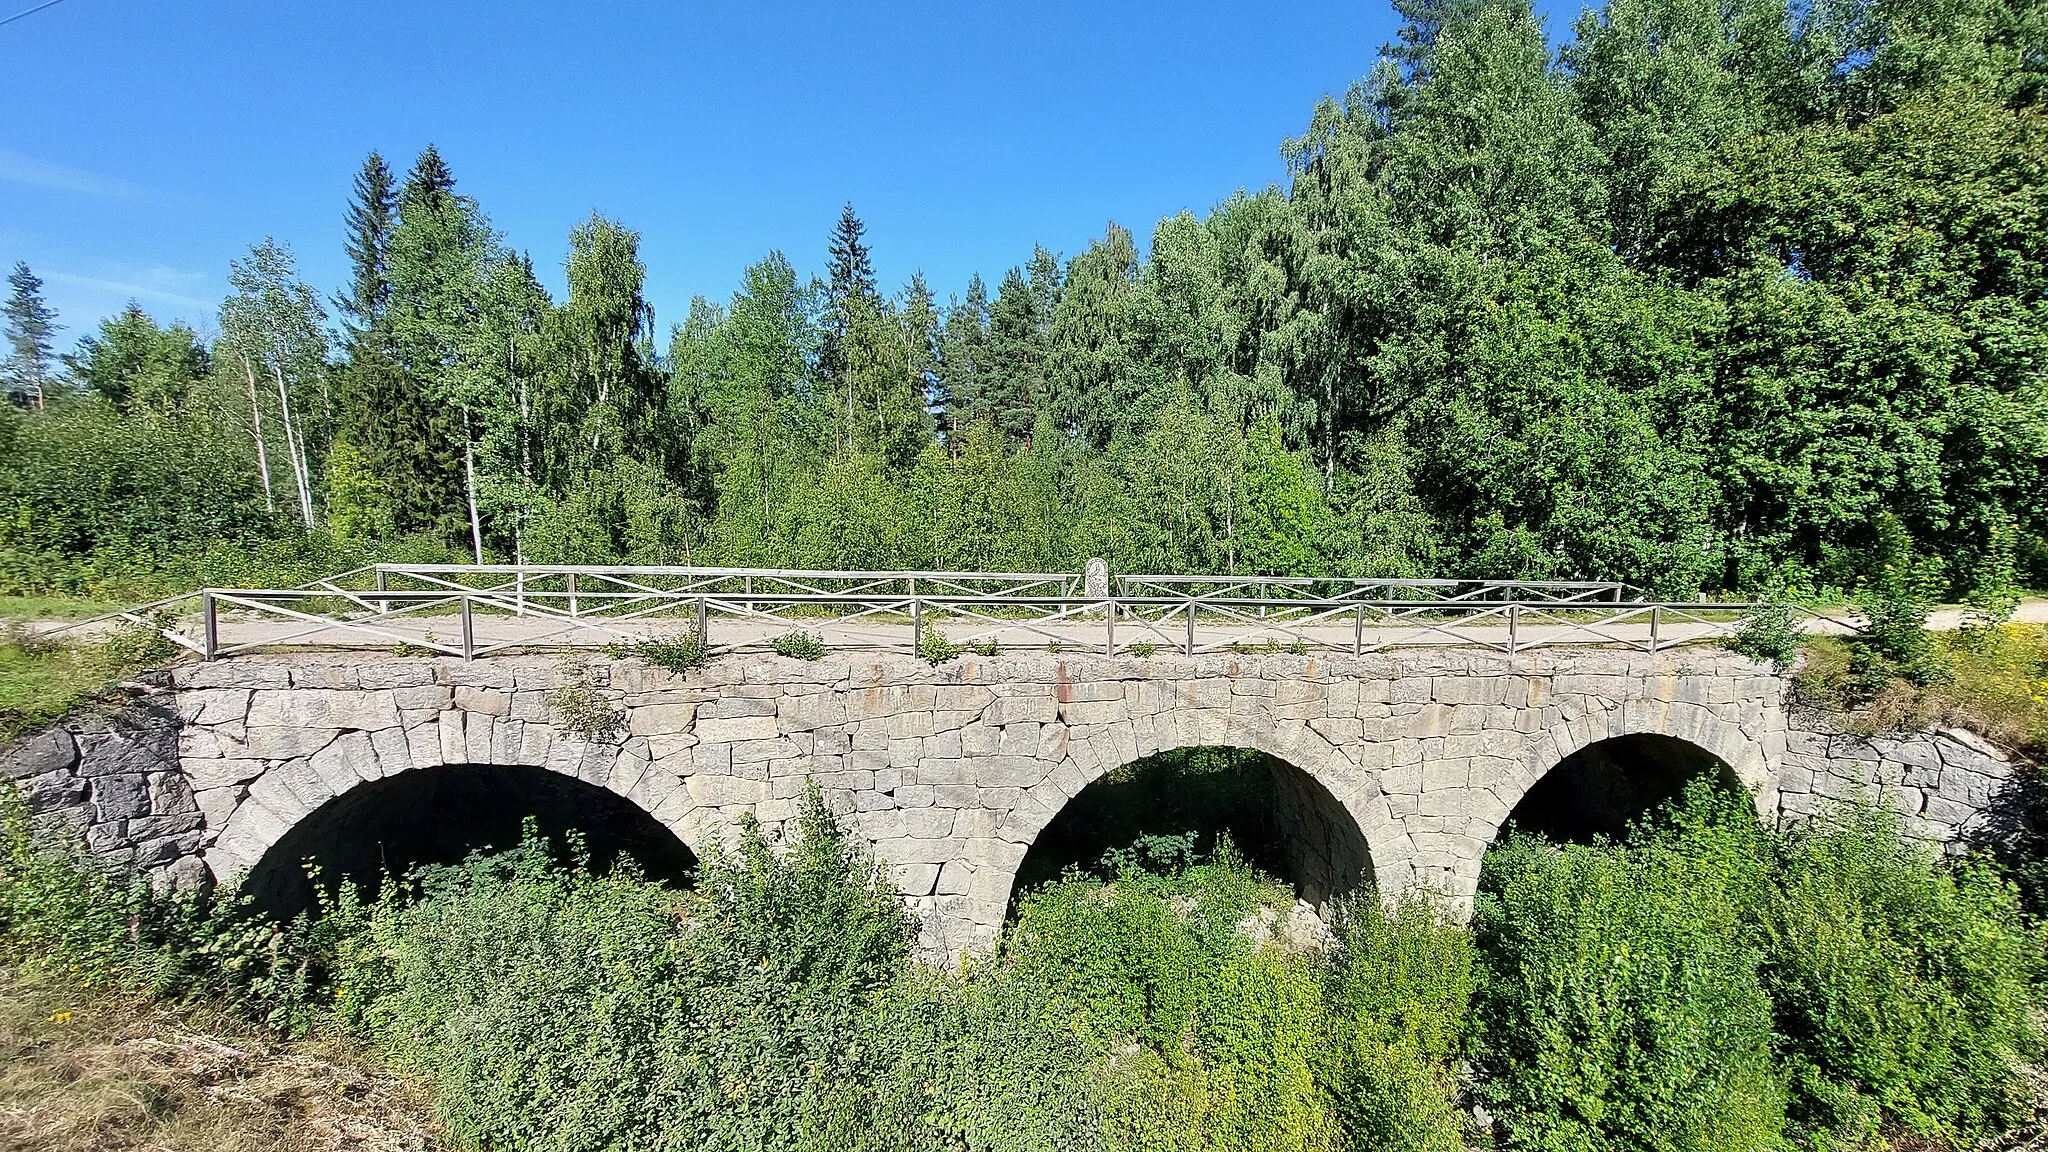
<point x="43" y="681"/>
<point x="57" y="607"/>
<point x="1992" y="681"/>
<point x="113" y="1072"/>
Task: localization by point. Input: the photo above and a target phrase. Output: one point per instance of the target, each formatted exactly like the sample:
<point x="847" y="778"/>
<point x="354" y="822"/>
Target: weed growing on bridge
<point x="677" y="654"/>
<point x="934" y="649"/>
<point x="799" y="646"/>
<point x="585" y="712"/>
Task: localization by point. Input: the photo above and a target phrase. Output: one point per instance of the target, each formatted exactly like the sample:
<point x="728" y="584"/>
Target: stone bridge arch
<point x="1744" y="750"/>
<point x="265" y="762"/>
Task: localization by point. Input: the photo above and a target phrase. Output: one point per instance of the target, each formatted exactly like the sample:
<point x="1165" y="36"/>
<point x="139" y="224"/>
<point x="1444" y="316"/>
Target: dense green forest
<point x="1695" y="300"/>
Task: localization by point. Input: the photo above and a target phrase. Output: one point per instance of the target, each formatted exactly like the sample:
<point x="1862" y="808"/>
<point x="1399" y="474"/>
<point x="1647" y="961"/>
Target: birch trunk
<point x="476" y="527"/>
<point x="256" y="423"/>
<point x="294" y="447"/>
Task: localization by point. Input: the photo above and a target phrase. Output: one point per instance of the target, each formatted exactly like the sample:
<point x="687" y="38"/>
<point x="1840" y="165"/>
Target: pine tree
<point x="31" y="328"/>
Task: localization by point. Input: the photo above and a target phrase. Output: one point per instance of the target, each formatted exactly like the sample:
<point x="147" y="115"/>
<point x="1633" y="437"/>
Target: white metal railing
<point x="477" y="610"/>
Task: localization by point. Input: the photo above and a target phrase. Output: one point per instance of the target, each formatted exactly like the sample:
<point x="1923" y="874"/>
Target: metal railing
<point x="478" y="610"/>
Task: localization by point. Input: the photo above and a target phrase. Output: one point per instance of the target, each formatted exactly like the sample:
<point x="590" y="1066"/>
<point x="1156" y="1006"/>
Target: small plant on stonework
<point x="677" y="654"/>
<point x="799" y="646"/>
<point x="586" y="713"/>
<point x="1144" y="649"/>
<point x="1297" y="648"/>
<point x="1769" y="633"/>
<point x="935" y="649"/>
<point x="1243" y="647"/>
<point x="986" y="647"/>
<point x="1054" y="647"/>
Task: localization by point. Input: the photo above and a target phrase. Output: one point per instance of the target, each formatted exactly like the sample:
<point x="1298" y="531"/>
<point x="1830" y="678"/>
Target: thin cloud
<point x="140" y="291"/>
<point x="21" y="168"/>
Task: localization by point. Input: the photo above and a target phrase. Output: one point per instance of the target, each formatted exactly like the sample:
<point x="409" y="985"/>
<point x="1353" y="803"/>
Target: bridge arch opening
<point x="441" y="815"/>
<point x="1279" y="817"/>
<point x="1598" y="791"/>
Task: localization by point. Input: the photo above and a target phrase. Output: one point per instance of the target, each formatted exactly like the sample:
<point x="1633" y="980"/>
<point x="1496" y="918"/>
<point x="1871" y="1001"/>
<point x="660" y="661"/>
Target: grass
<point x="57" y="607"/>
<point x="41" y="682"/>
<point x="114" y="1073"/>
<point x="1995" y="684"/>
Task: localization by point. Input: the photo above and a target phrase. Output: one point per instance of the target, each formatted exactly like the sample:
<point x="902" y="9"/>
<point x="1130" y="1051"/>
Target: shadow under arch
<point x="440" y="815"/>
<point x="1599" y="790"/>
<point x="1280" y="818"/>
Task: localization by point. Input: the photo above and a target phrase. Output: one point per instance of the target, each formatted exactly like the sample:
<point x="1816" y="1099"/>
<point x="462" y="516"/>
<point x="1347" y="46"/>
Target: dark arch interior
<point x="441" y="815"/>
<point x="1278" y="816"/>
<point x="1598" y="791"/>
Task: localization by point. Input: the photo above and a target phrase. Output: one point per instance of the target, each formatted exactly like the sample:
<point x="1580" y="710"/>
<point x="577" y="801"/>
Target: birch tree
<point x="274" y="329"/>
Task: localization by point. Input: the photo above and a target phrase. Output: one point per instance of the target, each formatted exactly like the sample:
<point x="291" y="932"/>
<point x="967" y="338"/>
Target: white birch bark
<point x="256" y="423"/>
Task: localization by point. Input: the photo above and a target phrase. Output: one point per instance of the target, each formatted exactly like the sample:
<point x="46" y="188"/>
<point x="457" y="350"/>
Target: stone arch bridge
<point x="1402" y="767"/>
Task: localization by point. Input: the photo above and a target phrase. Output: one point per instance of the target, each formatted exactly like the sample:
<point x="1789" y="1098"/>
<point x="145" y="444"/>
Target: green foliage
<point x="1901" y="988"/>
<point x="1397" y="996"/>
<point x="585" y="712"/>
<point x="677" y="654"/>
<point x="1895" y="600"/>
<point x="1621" y="1003"/>
<point x="1144" y="649"/>
<point x="934" y="649"/>
<point x="799" y="646"/>
<point x="69" y="917"/>
<point x="1769" y="633"/>
<point x="42" y="680"/>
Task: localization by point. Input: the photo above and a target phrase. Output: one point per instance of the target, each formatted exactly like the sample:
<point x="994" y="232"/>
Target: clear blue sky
<point x="146" y="143"/>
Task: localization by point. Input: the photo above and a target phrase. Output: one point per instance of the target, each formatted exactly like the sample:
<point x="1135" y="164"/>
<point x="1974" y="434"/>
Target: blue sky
<point x="146" y="143"/>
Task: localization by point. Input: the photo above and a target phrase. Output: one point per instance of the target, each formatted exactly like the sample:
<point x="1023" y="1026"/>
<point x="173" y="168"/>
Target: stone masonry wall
<point x="111" y="776"/>
<point x="1944" y="781"/>
<point x="951" y="772"/>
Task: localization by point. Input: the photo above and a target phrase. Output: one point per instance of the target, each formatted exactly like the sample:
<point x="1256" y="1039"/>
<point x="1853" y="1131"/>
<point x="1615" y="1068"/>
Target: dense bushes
<point x="1703" y="985"/>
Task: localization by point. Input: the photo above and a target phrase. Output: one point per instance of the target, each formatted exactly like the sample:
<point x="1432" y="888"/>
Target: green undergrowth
<point x="42" y="681"/>
<point x="1703" y="985"/>
<point x="1992" y="680"/>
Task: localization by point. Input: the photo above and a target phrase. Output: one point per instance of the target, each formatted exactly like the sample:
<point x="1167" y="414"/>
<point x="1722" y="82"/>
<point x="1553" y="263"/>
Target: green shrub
<point x="677" y="654"/>
<point x="1620" y="1004"/>
<point x="67" y="916"/>
<point x="585" y="712"/>
<point x="1770" y="632"/>
<point x="1398" y="992"/>
<point x="934" y="649"/>
<point x="799" y="646"/>
<point x="1901" y="987"/>
<point x="562" y="1009"/>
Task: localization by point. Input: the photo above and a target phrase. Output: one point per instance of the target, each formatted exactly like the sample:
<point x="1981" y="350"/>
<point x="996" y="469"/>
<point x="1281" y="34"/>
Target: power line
<point x="31" y="11"/>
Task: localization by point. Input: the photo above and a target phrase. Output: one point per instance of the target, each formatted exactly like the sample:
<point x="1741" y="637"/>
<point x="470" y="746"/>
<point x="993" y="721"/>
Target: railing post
<point x="209" y="616"/>
<point x="1514" y="621"/>
<point x="1109" y="616"/>
<point x="572" y="595"/>
<point x="1656" y="618"/>
<point x="704" y="623"/>
<point x="747" y="586"/>
<point x="1358" y="632"/>
<point x="468" y="633"/>
<point x="1191" y="627"/>
<point x="519" y="592"/>
<point x="383" y="605"/>
<point x="916" y="625"/>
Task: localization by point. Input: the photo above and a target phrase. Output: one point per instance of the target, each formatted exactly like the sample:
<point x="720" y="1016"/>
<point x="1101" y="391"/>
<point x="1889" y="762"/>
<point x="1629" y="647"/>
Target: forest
<point x="1698" y="299"/>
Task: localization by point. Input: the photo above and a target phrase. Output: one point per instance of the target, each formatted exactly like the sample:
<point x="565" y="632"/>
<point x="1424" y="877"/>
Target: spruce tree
<point x="850" y="291"/>
<point x="371" y="212"/>
<point x="31" y="327"/>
